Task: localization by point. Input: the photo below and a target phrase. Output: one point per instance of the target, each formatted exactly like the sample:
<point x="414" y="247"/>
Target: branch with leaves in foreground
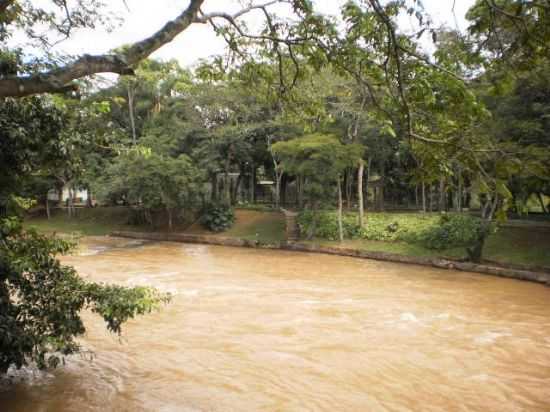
<point x="61" y="79"/>
<point x="41" y="300"/>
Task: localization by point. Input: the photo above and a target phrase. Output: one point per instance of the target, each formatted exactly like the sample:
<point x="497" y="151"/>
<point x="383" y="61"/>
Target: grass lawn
<point x="251" y="224"/>
<point x="517" y="246"/>
<point x="524" y="246"/>
<point x="88" y="222"/>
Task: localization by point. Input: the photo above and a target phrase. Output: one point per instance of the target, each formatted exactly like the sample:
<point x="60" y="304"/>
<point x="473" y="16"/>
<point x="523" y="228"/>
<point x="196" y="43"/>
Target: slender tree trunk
<point x="235" y="191"/>
<point x="70" y="203"/>
<point x="349" y="186"/>
<point x="282" y="190"/>
<point x="226" y="185"/>
<point x="131" y="95"/>
<point x="278" y="178"/>
<point x="60" y="196"/>
<point x="214" y="194"/>
<point x="253" y="184"/>
<point x="366" y="191"/>
<point x="423" y="197"/>
<point x="47" y="206"/>
<point x="441" y="195"/>
<point x="300" y="191"/>
<point x="381" y="193"/>
<point x="89" y="202"/>
<point x="459" y="194"/>
<point x="416" y="199"/>
<point x="340" y="206"/>
<point x="493" y="207"/>
<point x="360" y="193"/>
<point x="170" y="223"/>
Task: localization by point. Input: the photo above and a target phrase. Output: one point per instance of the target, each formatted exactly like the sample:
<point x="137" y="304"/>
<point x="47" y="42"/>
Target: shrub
<point x="454" y="231"/>
<point x="379" y="226"/>
<point x="438" y="232"/>
<point x="218" y="217"/>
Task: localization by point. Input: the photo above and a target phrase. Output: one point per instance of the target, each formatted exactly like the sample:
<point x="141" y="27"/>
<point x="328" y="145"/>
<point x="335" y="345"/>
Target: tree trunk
<point x="340" y="206"/>
<point x="282" y="192"/>
<point x="278" y="178"/>
<point x="169" y="211"/>
<point x="47" y="206"/>
<point x="459" y="195"/>
<point x="253" y="184"/>
<point x="442" y="195"/>
<point x="300" y="191"/>
<point x="226" y="183"/>
<point x="60" y="196"/>
<point x="131" y="95"/>
<point x="366" y="191"/>
<point x="214" y="194"/>
<point x="235" y="191"/>
<point x="360" y="193"/>
<point x="70" y="202"/>
<point x="349" y="187"/>
<point x="380" y="197"/>
<point x="423" y="197"/>
<point x="89" y="202"/>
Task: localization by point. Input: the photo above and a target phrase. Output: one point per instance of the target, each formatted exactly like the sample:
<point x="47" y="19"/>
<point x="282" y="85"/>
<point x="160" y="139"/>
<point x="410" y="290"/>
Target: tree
<point x="85" y="14"/>
<point x="40" y="299"/>
<point x="321" y="160"/>
<point x="154" y="182"/>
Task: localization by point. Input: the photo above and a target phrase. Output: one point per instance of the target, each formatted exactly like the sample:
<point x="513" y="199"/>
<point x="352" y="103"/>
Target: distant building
<point x="79" y="195"/>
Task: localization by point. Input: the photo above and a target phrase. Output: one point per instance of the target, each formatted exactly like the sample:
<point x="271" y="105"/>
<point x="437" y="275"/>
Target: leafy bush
<point x="454" y="231"/>
<point x="437" y="232"/>
<point x="218" y="217"/>
<point x="379" y="226"/>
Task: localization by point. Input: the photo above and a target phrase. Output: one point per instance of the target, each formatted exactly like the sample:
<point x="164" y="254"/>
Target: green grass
<point x="87" y="222"/>
<point x="524" y="246"/>
<point x="516" y="246"/>
<point x="269" y="228"/>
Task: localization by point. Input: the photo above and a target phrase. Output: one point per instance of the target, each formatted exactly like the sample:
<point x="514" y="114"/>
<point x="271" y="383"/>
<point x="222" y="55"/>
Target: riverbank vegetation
<point x="338" y="118"/>
<point x="519" y="245"/>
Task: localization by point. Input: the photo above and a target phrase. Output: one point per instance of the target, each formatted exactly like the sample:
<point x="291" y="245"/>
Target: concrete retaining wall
<point x="539" y="277"/>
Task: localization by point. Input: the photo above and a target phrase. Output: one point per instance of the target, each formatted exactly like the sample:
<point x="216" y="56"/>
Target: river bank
<point x="522" y="247"/>
<point x="502" y="271"/>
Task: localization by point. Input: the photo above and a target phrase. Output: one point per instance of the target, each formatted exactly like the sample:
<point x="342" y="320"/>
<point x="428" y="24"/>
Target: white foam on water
<point x="93" y="251"/>
<point x="408" y="317"/>
<point x="490" y="337"/>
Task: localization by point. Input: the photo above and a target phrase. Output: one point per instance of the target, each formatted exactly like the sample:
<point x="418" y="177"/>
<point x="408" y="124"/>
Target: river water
<point x="261" y="330"/>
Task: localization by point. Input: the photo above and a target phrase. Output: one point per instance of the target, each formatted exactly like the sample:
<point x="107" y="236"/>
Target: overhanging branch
<point x="59" y="80"/>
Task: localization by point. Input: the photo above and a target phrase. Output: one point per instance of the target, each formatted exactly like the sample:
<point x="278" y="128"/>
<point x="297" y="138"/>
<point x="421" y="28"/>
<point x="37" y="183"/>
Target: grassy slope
<point x="90" y="222"/>
<point x="252" y="224"/>
<point x="525" y="246"/>
<point x="520" y="246"/>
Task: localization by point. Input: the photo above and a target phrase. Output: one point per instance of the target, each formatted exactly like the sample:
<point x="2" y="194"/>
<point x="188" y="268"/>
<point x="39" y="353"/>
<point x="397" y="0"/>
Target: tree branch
<point x="4" y="4"/>
<point x="232" y="20"/>
<point x="59" y="80"/>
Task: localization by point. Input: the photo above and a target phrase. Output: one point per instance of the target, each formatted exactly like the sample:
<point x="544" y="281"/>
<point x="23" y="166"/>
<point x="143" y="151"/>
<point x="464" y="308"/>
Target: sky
<point x="142" y="18"/>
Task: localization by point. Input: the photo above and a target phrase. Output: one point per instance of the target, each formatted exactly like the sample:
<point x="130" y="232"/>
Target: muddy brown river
<point x="260" y="330"/>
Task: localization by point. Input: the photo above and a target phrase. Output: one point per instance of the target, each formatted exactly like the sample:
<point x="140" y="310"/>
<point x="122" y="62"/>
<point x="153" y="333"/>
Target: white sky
<point x="199" y="41"/>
